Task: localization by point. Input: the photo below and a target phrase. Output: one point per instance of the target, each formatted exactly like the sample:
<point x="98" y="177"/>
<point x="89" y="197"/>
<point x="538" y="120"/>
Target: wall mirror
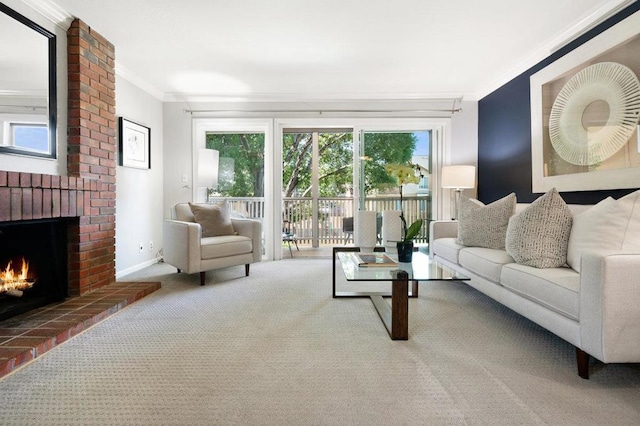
<point x="27" y="86"/>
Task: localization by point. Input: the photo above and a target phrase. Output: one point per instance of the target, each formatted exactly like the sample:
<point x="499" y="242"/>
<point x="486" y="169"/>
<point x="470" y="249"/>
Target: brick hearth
<point x="27" y="336"/>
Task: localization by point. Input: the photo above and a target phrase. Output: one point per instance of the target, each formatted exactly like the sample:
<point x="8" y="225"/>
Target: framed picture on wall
<point x="584" y="115"/>
<point x="134" y="144"/>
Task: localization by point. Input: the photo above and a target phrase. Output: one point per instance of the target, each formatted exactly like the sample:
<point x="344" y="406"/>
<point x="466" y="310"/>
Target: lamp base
<point x="455" y="204"/>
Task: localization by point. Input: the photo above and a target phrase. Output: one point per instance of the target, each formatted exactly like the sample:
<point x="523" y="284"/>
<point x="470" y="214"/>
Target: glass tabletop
<point x="422" y="268"/>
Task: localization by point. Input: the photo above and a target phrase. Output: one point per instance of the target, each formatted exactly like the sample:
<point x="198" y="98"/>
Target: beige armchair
<point x="187" y="250"/>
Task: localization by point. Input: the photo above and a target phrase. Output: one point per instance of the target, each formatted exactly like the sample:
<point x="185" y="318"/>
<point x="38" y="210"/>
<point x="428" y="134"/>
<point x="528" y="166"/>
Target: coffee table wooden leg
<point x="414" y="288"/>
<point x="400" y="310"/>
<point x="395" y="317"/>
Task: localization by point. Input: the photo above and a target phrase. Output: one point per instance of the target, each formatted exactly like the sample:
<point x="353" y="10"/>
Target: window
<point x="240" y="163"/>
<point x="30" y="137"/>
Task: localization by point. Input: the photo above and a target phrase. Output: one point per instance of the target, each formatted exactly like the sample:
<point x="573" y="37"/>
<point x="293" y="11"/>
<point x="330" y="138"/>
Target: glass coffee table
<point x="395" y="315"/>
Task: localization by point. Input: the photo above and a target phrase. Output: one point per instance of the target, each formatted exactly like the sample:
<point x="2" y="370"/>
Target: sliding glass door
<point x="379" y="191"/>
<point x="311" y="175"/>
<point x="317" y="184"/>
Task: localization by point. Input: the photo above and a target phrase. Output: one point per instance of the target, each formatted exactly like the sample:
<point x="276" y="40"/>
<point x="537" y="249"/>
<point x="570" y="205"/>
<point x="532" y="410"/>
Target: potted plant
<point x="405" y="173"/>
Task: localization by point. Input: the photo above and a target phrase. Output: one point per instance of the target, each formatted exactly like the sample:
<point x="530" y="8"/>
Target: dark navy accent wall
<point x="504" y="134"/>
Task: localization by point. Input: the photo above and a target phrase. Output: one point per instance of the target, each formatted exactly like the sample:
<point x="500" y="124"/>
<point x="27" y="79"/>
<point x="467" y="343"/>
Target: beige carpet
<point x="276" y="349"/>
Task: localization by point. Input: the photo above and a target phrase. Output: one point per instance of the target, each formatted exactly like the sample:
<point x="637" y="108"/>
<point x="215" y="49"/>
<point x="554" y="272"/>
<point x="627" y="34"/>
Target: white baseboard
<point x="136" y="268"/>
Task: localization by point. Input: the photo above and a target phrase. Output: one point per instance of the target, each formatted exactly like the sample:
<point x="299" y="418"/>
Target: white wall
<point x="139" y="192"/>
<point x="464" y="137"/>
<point x="177" y="155"/>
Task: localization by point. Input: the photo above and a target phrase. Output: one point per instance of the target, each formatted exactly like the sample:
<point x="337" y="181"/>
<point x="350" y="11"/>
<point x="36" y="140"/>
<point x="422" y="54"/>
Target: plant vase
<point x="405" y="251"/>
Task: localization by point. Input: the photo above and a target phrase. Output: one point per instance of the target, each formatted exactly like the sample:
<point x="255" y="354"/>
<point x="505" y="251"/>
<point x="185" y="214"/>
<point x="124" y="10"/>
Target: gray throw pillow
<point x="485" y="226"/>
<point x="214" y="219"/>
<point x="539" y="235"/>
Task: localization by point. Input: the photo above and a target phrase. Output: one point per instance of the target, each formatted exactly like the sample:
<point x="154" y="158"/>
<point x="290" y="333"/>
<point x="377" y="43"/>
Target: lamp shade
<point x="458" y="177"/>
<point x="208" y="168"/>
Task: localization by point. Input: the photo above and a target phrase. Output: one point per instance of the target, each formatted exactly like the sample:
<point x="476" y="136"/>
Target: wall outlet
<point x="150" y="245"/>
<point x="140" y="247"/>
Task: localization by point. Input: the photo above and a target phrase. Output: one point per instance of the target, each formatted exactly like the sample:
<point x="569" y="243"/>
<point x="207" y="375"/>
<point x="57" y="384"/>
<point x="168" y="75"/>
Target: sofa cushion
<point x="224" y="246"/>
<point x="214" y="219"/>
<point x="610" y="224"/>
<point x="539" y="235"/>
<point x="447" y="248"/>
<point x="482" y="225"/>
<point x="555" y="288"/>
<point x="484" y="261"/>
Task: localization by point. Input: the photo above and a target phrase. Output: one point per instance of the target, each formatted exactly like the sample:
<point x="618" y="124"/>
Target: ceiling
<point x="331" y="49"/>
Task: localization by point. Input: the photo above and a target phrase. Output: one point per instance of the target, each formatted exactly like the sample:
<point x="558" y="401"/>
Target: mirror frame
<point x="52" y="101"/>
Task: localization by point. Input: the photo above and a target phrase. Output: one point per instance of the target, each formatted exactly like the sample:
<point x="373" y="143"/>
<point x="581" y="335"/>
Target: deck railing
<point x="327" y="228"/>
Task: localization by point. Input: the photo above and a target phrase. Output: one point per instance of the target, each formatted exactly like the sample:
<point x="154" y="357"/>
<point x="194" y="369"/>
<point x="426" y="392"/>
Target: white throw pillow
<point x="609" y="225"/>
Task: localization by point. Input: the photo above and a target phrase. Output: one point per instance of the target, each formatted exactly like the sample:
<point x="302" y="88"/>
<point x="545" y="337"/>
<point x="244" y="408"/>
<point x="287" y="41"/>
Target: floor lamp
<point x="458" y="178"/>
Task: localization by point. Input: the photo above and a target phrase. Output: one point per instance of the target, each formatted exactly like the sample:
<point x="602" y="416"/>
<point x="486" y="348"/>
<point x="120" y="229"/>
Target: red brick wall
<point x="89" y="190"/>
<point x="92" y="155"/>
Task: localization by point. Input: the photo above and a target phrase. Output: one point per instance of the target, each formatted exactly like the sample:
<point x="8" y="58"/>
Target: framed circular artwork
<point x="608" y="84"/>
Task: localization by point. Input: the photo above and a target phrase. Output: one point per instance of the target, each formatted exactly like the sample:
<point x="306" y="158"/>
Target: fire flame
<point x="10" y="280"/>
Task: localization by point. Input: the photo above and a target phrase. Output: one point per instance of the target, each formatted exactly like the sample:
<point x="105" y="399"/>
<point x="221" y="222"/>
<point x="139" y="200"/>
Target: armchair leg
<point x="202" y="276"/>
<point x="246" y="269"/>
<point x="582" y="359"/>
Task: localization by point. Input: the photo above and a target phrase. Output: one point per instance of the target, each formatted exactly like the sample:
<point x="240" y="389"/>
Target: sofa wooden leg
<point x="246" y="269"/>
<point x="202" y="276"/>
<point x="178" y="270"/>
<point x="582" y="359"/>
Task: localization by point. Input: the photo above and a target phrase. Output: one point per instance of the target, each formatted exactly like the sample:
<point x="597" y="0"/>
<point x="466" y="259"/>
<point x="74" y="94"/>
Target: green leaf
<point x="413" y="230"/>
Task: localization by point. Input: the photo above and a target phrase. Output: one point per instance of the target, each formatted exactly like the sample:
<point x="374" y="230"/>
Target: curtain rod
<point x="322" y="111"/>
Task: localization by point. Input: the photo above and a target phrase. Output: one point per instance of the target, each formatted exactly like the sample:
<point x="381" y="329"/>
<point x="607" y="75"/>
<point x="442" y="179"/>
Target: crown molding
<point x="593" y="19"/>
<point x="313" y="97"/>
<point x="52" y="12"/>
<point x="132" y="78"/>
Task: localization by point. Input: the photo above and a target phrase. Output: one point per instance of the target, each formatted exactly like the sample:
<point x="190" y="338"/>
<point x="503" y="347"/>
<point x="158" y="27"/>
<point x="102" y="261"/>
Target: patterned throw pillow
<point x="214" y="219"/>
<point x="539" y="235"/>
<point x="485" y="226"/>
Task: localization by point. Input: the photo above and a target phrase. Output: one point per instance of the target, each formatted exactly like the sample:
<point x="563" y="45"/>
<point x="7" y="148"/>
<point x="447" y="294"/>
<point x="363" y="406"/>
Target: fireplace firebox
<point x="33" y="265"/>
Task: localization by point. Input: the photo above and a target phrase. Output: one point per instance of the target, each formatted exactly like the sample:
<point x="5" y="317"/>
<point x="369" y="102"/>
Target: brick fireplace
<point x="88" y="191"/>
<point x="84" y="198"/>
<point x="91" y="238"/>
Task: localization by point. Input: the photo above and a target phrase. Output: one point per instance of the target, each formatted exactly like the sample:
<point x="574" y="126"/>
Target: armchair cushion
<point x="225" y="246"/>
<point x="214" y="219"/>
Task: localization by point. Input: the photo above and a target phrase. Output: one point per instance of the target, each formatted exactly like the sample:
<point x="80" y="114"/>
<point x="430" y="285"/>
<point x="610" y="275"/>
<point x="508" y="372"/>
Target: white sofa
<point x="597" y="310"/>
<point x="186" y="249"/>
